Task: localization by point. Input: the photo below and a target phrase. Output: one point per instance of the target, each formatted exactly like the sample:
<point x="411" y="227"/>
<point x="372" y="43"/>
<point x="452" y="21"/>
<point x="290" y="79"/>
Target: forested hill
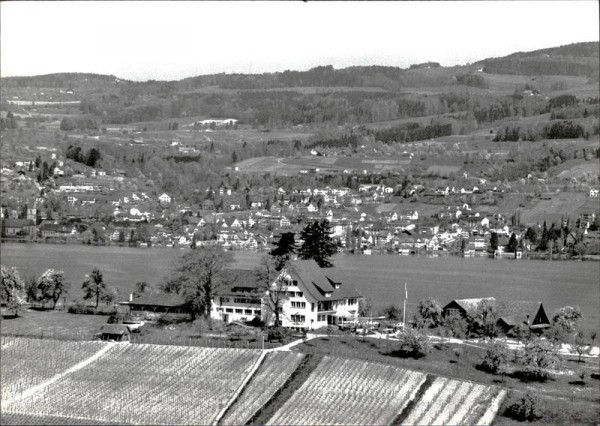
<point x="579" y="59"/>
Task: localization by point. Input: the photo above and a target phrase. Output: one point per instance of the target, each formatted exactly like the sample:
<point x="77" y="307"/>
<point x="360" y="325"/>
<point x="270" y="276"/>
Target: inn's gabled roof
<point x="319" y="281"/>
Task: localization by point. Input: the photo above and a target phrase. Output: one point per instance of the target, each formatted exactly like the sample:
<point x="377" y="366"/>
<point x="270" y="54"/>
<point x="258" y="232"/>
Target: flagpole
<point x="404" y="308"/>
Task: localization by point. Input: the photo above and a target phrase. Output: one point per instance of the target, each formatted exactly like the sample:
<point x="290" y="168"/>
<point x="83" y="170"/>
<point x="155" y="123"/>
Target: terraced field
<point x="108" y="383"/>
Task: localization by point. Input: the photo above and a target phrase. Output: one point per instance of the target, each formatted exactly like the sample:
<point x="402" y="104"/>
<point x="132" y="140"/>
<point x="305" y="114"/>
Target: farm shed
<point x="465" y="307"/>
<point x="116" y="332"/>
<point x="155" y="304"/>
<point x="510" y="313"/>
<point x="517" y="312"/>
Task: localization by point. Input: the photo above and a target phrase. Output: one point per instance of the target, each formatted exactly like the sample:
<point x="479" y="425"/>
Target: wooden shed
<point x="116" y="332"/>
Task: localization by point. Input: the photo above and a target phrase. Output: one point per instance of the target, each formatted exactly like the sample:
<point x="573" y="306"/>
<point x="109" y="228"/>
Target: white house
<point x="164" y="199"/>
<point x="594" y="193"/>
<point x="316" y="297"/>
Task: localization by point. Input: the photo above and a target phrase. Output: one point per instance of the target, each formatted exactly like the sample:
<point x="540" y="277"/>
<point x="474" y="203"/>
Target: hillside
<point x="579" y="59"/>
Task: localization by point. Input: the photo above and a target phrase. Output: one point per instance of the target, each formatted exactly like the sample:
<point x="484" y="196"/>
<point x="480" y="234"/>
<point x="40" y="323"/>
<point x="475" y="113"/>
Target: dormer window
<point x="328" y="293"/>
<point x="337" y="285"/>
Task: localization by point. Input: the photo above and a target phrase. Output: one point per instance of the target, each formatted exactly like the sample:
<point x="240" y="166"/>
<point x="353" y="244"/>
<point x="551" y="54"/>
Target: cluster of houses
<point x="313" y="298"/>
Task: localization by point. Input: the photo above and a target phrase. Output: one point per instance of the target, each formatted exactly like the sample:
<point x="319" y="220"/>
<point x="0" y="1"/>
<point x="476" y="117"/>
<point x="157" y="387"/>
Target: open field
<point x="53" y="324"/>
<point x="380" y="278"/>
<point x="293" y="165"/>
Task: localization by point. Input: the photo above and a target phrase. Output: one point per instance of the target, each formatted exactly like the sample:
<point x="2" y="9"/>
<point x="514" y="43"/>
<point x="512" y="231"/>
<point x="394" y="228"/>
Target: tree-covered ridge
<point x="581" y="59"/>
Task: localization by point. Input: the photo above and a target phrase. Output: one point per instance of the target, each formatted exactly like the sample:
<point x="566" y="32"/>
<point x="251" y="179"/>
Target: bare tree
<point x="272" y="285"/>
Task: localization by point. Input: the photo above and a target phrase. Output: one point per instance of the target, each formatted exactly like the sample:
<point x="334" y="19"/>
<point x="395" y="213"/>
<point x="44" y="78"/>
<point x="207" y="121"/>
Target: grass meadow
<point x="380" y="278"/>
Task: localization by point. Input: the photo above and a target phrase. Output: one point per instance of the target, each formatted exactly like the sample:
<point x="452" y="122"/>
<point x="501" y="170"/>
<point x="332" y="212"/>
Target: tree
<point x="412" y="343"/>
<point x="455" y="323"/>
<point x="493" y="242"/>
<point x="142" y="287"/>
<point x="568" y="317"/>
<point x="392" y="313"/>
<point x="51" y="286"/>
<point x="318" y="244"/>
<point x="483" y="321"/>
<point x="272" y="285"/>
<point x="579" y="346"/>
<point x="564" y="323"/>
<point x="284" y="249"/>
<point x="525" y="409"/>
<point x="198" y="275"/>
<point x="496" y="358"/>
<point x="12" y="290"/>
<point x="429" y="313"/>
<point x="513" y="244"/>
<point x="537" y="358"/>
<point x="365" y="307"/>
<point x="94" y="286"/>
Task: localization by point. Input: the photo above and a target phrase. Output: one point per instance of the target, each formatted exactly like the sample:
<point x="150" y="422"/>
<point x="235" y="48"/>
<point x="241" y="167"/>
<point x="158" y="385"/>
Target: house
<point x="115" y="332"/>
<point x="151" y="306"/>
<point x="510" y="313"/>
<point x="594" y="193"/>
<point x="238" y="299"/>
<point x="164" y="199"/>
<point x="317" y="297"/>
<point x="513" y="313"/>
<point x="20" y="227"/>
<point x="284" y="222"/>
<point x="465" y="307"/>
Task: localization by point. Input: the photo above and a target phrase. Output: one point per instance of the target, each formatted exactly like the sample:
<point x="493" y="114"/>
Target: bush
<point x="412" y="344"/>
<point x="524" y="409"/>
<point x="116" y="317"/>
<point x="495" y="360"/>
<point x="279" y="334"/>
<point x="537" y="359"/>
<point x="82" y="309"/>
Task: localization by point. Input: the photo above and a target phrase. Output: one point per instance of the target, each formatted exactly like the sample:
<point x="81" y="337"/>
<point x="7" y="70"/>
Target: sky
<point x="174" y="40"/>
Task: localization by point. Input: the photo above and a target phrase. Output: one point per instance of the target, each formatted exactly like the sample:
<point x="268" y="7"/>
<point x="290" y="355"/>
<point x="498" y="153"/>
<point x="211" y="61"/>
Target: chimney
<point x="131" y="297"/>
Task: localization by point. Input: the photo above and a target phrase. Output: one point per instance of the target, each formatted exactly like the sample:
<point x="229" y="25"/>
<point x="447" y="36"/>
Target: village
<point x="104" y="207"/>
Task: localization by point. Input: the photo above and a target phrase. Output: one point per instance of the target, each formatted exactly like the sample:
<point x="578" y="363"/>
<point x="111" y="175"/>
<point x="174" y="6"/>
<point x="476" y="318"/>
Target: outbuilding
<point x="115" y="332"/>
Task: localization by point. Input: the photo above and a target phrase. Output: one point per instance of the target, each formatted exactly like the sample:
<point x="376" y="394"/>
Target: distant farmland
<point x="291" y="165"/>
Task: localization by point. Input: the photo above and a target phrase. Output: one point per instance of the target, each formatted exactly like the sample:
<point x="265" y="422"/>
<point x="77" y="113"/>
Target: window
<point x="299" y="294"/>
<point x="239" y="311"/>
<point x="352" y="301"/>
<point x="294" y="282"/>
<point x="248" y="311"/>
<point x="219" y="309"/>
<point x="312" y="307"/>
<point x="224" y="299"/>
<point x="298" y="318"/>
<point x="299" y="305"/>
<point x="257" y="312"/>
<point x="229" y="310"/>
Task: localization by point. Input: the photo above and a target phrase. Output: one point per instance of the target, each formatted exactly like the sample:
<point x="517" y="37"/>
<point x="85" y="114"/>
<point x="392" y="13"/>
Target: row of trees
<point x="49" y="288"/>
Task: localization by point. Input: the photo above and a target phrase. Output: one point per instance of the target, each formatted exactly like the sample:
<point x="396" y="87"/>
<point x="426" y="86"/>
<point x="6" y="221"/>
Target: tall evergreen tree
<point x="284" y="249"/>
<point x="318" y="244"/>
<point x="512" y="243"/>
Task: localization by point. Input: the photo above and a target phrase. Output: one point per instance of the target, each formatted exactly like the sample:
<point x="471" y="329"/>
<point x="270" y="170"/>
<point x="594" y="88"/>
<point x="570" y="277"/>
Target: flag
<point x="405" y="292"/>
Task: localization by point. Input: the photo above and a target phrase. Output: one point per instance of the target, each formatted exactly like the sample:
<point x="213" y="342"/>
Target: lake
<point x="381" y="278"/>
